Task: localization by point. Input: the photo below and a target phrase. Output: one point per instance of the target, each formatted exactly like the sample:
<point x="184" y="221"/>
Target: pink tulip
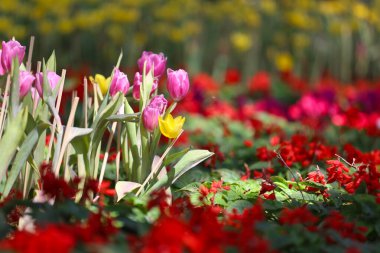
<point x="158" y="61"/>
<point x="10" y="50"/>
<point x="137" y="83"/>
<point x="178" y="84"/>
<point x="26" y="81"/>
<point x="119" y="83"/>
<point x="53" y="80"/>
<point x="159" y="102"/>
<point x="35" y="95"/>
<point x="150" y="118"/>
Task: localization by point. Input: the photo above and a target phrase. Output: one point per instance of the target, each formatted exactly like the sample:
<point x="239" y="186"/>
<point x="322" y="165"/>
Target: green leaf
<point x="188" y="161"/>
<point x="11" y="139"/>
<point x="51" y="63"/>
<point x="135" y="117"/>
<point x="100" y="124"/>
<point x="228" y="176"/>
<point x="171" y="158"/>
<point x="220" y="199"/>
<point x="77" y="132"/>
<point x="239" y="205"/>
<point x="22" y="156"/>
<point x="259" y="166"/>
<point x="15" y="88"/>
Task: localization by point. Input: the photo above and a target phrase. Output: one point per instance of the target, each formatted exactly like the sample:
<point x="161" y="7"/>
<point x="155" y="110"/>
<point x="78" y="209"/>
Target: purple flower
<point x="137" y="83"/>
<point x="178" y="84"/>
<point x="53" y="80"/>
<point x="158" y="61"/>
<point x="159" y="102"/>
<point x="150" y="117"/>
<point x="10" y="50"/>
<point x="26" y="81"/>
<point x="119" y="83"/>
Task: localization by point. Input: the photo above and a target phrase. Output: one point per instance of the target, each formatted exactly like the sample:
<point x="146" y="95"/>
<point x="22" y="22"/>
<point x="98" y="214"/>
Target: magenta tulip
<point x="150" y="118"/>
<point x="10" y="50"/>
<point x="26" y="81"/>
<point x="178" y="84"/>
<point x="158" y="61"/>
<point x="119" y="83"/>
<point x="53" y="80"/>
<point x="137" y="83"/>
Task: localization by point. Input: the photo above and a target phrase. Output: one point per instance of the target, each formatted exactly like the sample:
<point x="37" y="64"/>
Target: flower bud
<point x="178" y="84"/>
<point x="158" y="61"/>
<point x="150" y="117"/>
<point x="119" y="83"/>
<point x="10" y="50"/>
<point x="53" y="80"/>
<point x="34" y="93"/>
<point x="26" y="81"/>
<point x="159" y="102"/>
<point x="137" y="83"/>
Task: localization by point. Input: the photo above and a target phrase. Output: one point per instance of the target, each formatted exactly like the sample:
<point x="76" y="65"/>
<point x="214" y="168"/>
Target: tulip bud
<point x="34" y="93"/>
<point x="150" y="117"/>
<point x="158" y="61"/>
<point x="137" y="83"/>
<point x="178" y="83"/>
<point x="10" y="50"/>
<point x="119" y="83"/>
<point x="53" y="80"/>
<point x="26" y="81"/>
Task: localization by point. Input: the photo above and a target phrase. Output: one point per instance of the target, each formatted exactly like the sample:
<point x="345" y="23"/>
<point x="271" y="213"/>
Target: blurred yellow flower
<point x="268" y="6"/>
<point x="102" y="82"/>
<point x="360" y="10"/>
<point x="284" y="62"/>
<point x="241" y="41"/>
<point x="171" y="127"/>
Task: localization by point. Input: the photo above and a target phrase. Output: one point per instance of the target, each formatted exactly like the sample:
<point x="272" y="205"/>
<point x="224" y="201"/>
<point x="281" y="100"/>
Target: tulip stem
<point x="85" y="102"/>
<point x="170" y="109"/>
<point x="155" y="170"/>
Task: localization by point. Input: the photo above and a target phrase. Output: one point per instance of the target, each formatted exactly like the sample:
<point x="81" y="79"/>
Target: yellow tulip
<point x="102" y="82"/>
<point x="171" y="127"/>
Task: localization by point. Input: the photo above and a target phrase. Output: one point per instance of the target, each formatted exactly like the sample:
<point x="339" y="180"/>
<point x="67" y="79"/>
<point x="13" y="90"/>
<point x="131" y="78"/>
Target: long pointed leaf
<point x="11" y="139"/>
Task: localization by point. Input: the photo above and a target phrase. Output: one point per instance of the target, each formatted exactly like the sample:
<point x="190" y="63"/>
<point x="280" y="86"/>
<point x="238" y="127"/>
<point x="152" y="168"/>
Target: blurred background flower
<point x="309" y="38"/>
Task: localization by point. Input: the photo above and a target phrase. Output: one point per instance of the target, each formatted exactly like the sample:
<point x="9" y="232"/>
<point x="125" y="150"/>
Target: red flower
<point x="260" y="82"/>
<point x="248" y="143"/>
<point x="232" y="77"/>
<point x="299" y="215"/>
<point x="264" y="154"/>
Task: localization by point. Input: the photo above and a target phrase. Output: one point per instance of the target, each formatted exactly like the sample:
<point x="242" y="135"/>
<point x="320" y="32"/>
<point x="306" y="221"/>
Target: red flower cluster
<point x="203" y="229"/>
<point x="337" y="222"/>
<point x="55" y="187"/>
<point x="61" y="238"/>
<point x="364" y="173"/>
<point x="300" y="150"/>
<point x="300" y="215"/>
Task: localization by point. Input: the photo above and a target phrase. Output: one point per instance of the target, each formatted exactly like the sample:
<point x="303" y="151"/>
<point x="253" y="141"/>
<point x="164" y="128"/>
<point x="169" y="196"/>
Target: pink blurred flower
<point x="26" y="81"/>
<point x="53" y="80"/>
